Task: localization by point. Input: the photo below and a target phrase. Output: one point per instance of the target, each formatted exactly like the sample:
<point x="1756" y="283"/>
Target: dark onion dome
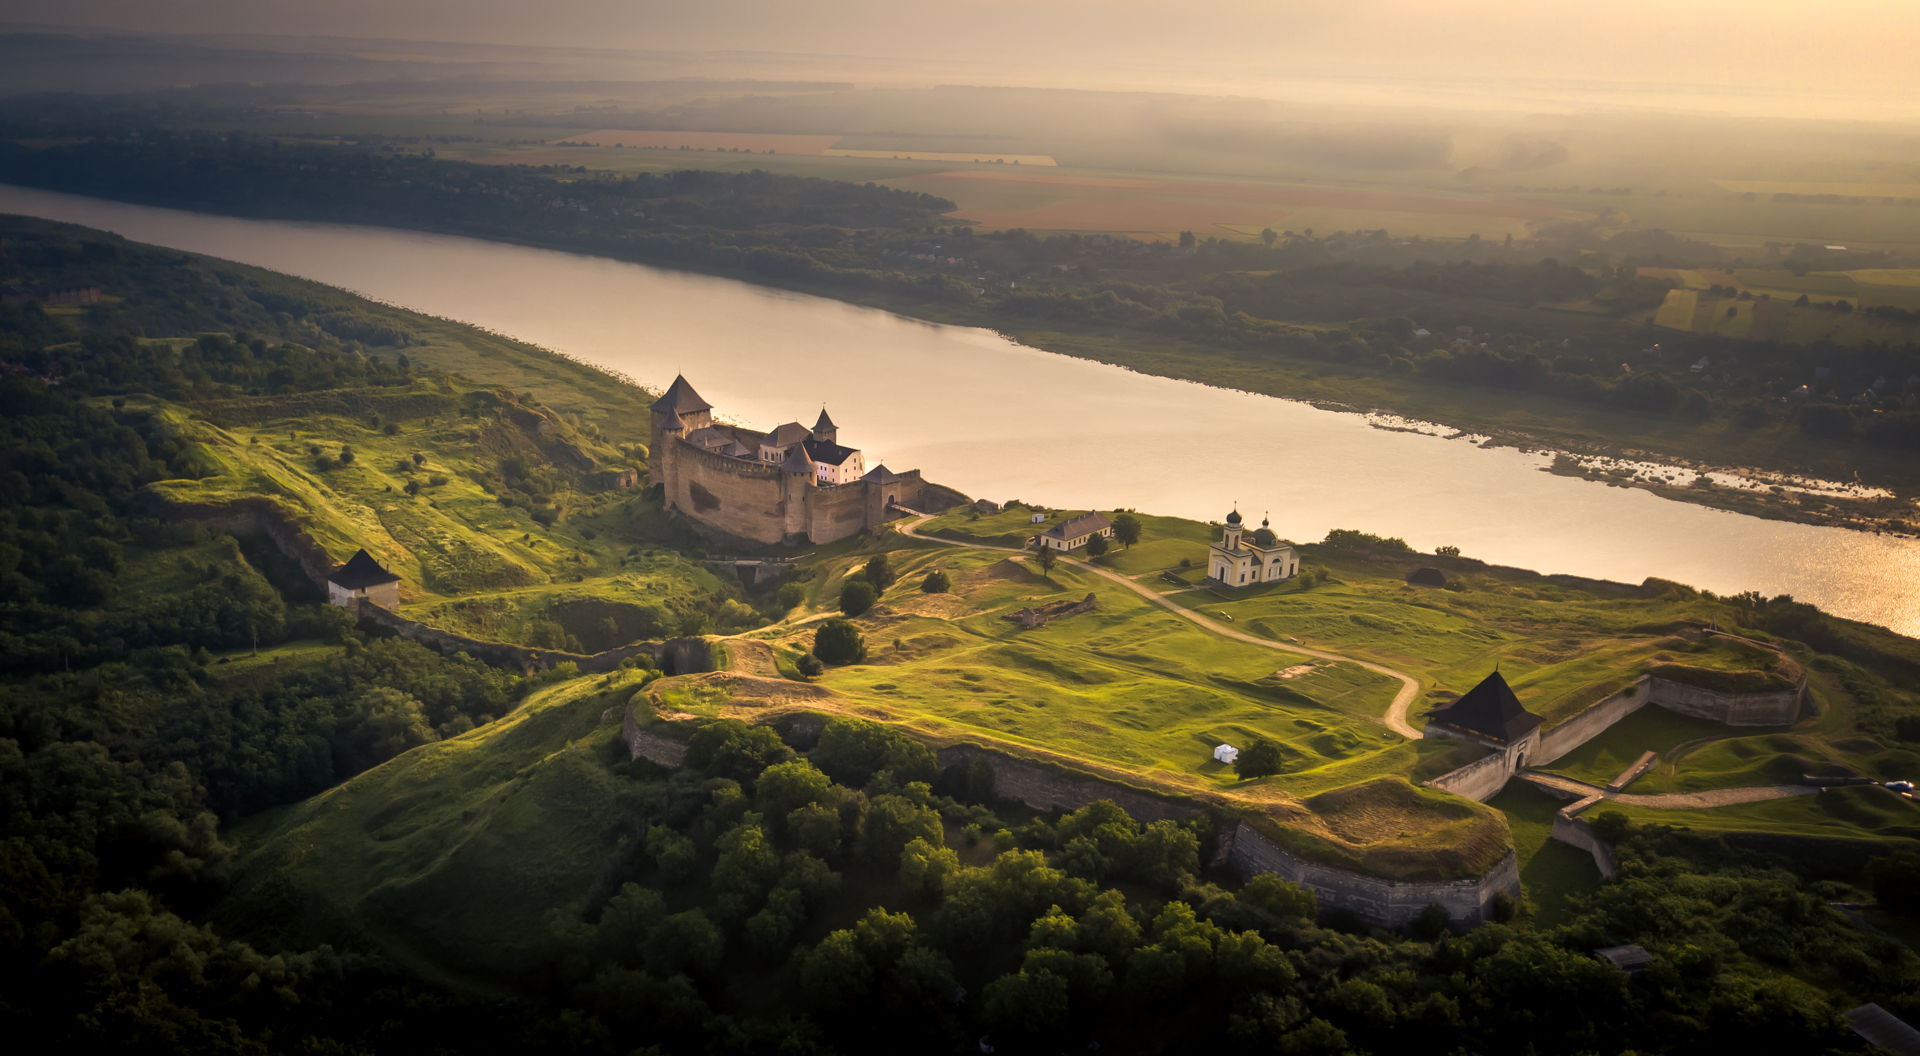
<point x="1233" y="518"/>
<point x="1263" y="536"/>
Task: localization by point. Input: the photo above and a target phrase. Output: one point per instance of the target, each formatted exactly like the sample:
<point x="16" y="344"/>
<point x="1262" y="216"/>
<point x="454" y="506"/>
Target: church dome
<point x="1263" y="536"/>
<point x="1234" y="518"/>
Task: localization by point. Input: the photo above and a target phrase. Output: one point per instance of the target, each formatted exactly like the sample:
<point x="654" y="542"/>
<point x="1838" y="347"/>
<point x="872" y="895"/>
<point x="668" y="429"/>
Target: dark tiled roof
<point x="880" y="474"/>
<point x="1085" y="524"/>
<point x="736" y="449"/>
<point x="1427" y="577"/>
<point x="1626" y="958"/>
<point x="830" y="453"/>
<point x="711" y="437"/>
<point x="1264" y="538"/>
<point x="784" y="435"/>
<point x="1489" y="710"/>
<point x="680" y="398"/>
<point x="823" y="422"/>
<point x="797" y="460"/>
<point x="362" y="571"/>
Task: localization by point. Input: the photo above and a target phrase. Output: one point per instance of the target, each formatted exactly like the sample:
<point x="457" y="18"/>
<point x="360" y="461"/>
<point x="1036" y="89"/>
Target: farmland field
<point x="755" y="142"/>
<point x="965" y="156"/>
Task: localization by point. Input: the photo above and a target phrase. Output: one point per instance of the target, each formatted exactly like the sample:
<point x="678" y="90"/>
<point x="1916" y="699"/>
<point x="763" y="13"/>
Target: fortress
<point x="792" y="485"/>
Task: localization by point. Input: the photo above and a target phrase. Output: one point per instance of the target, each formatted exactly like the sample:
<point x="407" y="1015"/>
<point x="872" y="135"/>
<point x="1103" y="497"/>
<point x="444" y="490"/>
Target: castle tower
<point x="1230" y="535"/>
<point x="677" y="412"/>
<point x="824" y="430"/>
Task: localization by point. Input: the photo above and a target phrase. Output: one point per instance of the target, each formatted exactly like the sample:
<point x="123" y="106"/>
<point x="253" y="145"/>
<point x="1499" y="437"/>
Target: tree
<point x="1258" y="759"/>
<point x="839" y="642"/>
<point x="1268" y="237"/>
<point x="1896" y="881"/>
<point x="1446" y="551"/>
<point x="1097" y="545"/>
<point x="879" y="572"/>
<point x="1126" y="528"/>
<point x="346" y="455"/>
<point x="1046" y="557"/>
<point x="936" y="582"/>
<point x="1186" y="240"/>
<point x="856" y="597"/>
<point x="809" y="666"/>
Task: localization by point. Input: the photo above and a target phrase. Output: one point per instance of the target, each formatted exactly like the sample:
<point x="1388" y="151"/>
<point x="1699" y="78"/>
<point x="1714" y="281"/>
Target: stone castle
<point x="792" y="485"/>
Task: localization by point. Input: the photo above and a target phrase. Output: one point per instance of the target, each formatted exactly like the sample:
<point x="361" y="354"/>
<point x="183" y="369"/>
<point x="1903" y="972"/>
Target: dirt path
<point x="1396" y="714"/>
<point x="1717" y="797"/>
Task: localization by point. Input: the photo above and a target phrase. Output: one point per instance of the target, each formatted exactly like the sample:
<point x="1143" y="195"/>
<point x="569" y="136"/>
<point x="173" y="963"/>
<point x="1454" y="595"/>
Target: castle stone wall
<point x="1777" y="708"/>
<point x="1479" y="780"/>
<point x="1388" y="903"/>
<point x="1590" y="723"/>
<point x="1577" y="832"/>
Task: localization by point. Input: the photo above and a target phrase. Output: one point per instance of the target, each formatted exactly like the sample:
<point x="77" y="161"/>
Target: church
<point x="1242" y="559"/>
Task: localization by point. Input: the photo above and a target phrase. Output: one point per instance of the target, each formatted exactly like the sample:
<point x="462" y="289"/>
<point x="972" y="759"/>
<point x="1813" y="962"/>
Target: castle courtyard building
<point x="1245" y="559"/>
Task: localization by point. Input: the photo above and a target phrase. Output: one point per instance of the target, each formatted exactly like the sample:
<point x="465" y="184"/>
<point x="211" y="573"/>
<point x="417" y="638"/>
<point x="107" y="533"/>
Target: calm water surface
<point x="1001" y="420"/>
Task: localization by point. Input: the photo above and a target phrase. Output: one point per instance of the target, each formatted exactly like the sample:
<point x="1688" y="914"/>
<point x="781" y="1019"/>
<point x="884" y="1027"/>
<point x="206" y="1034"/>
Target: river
<point x="998" y="419"/>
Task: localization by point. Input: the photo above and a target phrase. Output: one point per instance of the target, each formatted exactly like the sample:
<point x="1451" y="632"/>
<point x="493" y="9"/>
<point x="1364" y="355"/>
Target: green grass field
<point x="1550" y="872"/>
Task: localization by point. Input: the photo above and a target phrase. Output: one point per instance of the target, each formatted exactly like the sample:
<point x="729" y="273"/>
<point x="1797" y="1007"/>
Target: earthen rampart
<point x="1774" y="708"/>
<point x="1388" y="903"/>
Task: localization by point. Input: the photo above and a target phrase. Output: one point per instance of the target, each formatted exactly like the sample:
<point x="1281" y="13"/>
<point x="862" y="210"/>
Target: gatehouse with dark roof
<point x="1491" y="714"/>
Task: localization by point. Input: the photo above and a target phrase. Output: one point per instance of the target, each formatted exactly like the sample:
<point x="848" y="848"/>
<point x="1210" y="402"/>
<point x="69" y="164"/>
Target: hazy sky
<point x="1836" y="45"/>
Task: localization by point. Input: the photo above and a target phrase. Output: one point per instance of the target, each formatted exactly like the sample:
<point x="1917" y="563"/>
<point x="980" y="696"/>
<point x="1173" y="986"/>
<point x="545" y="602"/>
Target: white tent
<point x="1226" y="753"/>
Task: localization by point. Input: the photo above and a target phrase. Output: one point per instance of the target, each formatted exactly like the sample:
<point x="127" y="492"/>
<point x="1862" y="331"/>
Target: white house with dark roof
<point x="1072" y="534"/>
<point x="363" y="578"/>
<point x="1243" y="559"/>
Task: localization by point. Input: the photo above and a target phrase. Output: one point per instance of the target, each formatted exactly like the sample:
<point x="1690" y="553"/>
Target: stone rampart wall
<point x="1384" y="902"/>
<point x="1388" y="903"/>
<point x="1590" y="723"/>
<point x="663" y="751"/>
<point x="1479" y="780"/>
<point x="1776" y="708"/>
<point x="1577" y="832"/>
<point x="837" y="512"/>
<point x="1044" y="788"/>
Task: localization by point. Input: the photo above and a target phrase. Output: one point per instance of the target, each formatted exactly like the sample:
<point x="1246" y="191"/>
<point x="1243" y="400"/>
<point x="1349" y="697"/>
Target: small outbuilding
<point x="1427" y="577"/>
<point x="1226" y="753"/>
<point x="985" y="506"/>
<point x="1073" y="534"/>
<point x="1629" y="959"/>
<point x="363" y="578"/>
<point x="1038" y="518"/>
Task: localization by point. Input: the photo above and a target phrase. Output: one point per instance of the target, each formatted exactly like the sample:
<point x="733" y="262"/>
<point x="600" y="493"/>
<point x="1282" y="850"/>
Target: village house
<point x="362" y="578"/>
<point x="1244" y="559"/>
<point x="1073" y="534"/>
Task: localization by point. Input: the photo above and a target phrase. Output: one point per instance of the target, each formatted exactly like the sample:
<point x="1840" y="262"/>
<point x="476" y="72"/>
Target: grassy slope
<point x="450" y="854"/>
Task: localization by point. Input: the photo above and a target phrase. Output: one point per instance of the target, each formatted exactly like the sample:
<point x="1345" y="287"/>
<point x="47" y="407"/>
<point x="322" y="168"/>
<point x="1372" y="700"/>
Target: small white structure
<point x="1073" y="534"/>
<point x="1226" y="753"/>
<point x="1037" y="518"/>
<point x="363" y="578"/>
<point x="1246" y="559"/>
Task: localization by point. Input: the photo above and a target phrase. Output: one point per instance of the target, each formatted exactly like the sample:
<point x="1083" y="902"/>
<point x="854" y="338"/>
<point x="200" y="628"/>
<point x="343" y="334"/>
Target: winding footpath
<point x="1396" y="714"/>
<point x="1715" y="797"/>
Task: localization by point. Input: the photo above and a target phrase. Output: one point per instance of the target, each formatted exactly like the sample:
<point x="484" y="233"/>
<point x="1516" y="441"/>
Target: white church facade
<point x="1244" y="559"/>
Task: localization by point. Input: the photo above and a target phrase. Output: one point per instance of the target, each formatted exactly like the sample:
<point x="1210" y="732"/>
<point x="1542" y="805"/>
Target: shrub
<point x="879" y="572"/>
<point x="1258" y="759"/>
<point x="839" y="642"/>
<point x="789" y="596"/>
<point x="809" y="665"/>
<point x="856" y="597"/>
<point x="1096" y="545"/>
<point x="936" y="583"/>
